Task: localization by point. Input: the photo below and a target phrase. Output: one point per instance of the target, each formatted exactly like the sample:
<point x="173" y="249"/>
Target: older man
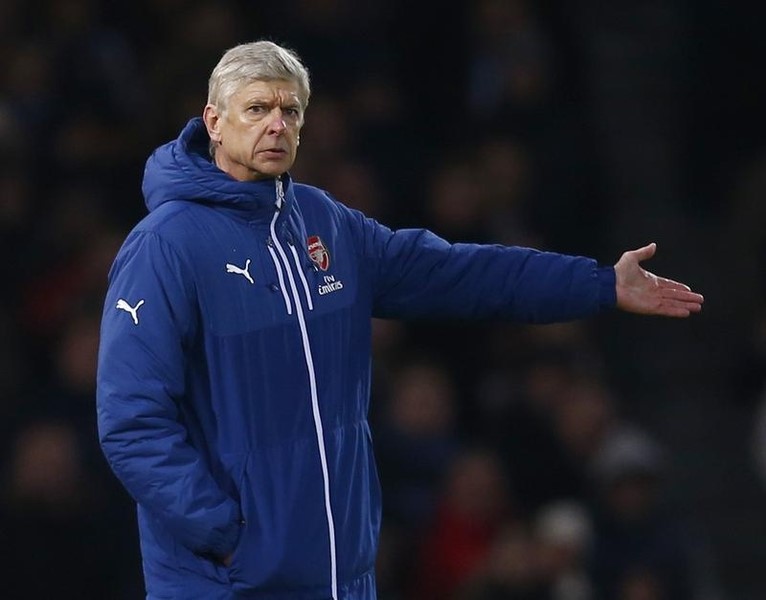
<point x="234" y="369"/>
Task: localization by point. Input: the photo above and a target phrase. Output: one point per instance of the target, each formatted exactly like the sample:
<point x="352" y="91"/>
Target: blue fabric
<point x="210" y="358"/>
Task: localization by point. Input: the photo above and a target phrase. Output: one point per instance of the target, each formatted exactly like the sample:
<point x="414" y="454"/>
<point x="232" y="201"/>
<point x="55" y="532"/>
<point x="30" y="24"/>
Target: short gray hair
<point x="256" y="61"/>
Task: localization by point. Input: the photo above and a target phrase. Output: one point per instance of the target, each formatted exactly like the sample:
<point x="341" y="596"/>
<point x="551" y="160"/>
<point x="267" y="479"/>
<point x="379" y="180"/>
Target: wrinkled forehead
<point x="277" y="91"/>
<point x="282" y="89"/>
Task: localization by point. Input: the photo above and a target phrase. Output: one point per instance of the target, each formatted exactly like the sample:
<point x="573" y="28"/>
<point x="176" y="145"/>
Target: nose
<point x="277" y="123"/>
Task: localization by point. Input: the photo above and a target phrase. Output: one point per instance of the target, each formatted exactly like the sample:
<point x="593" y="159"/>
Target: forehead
<point x="280" y="90"/>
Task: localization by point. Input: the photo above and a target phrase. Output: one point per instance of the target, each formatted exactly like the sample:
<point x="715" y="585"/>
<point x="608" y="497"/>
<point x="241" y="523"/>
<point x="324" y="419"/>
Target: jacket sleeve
<point x="415" y="273"/>
<point x="140" y="384"/>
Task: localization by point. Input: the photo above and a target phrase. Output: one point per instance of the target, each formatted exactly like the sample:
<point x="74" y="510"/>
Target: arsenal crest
<point x="318" y="252"/>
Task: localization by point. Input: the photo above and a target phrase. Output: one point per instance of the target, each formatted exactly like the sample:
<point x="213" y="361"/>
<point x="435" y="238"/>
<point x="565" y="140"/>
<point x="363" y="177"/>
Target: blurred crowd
<point x="512" y="466"/>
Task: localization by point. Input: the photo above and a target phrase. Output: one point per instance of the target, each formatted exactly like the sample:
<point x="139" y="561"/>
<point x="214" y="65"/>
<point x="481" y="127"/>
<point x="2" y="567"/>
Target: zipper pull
<point x="280" y="193"/>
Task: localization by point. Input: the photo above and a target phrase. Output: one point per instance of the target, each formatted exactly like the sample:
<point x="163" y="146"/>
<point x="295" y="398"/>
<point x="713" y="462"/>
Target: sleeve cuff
<point x="607" y="290"/>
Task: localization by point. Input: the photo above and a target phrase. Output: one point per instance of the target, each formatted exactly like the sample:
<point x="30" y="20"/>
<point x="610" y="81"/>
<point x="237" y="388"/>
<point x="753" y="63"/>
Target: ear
<point x="212" y="121"/>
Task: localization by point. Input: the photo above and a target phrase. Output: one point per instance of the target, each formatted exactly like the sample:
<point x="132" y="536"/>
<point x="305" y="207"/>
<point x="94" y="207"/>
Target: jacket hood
<point x="182" y="170"/>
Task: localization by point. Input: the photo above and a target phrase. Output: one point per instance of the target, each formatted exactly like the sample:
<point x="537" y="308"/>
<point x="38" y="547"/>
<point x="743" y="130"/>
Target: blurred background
<point x="619" y="458"/>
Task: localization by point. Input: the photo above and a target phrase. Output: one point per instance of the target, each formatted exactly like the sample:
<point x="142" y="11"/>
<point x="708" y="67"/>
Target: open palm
<point x="642" y="292"/>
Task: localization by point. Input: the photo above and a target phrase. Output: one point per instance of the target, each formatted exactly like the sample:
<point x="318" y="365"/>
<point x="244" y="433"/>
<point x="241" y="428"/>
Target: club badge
<point x="318" y="252"/>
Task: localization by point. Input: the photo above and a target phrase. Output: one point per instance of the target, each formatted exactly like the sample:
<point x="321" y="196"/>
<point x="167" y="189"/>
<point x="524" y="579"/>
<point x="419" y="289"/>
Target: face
<point x="256" y="136"/>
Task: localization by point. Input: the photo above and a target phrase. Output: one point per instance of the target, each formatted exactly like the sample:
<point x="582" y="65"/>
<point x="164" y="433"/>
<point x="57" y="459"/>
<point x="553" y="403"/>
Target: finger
<point x="681" y="305"/>
<point x="678" y="313"/>
<point x="682" y="295"/>
<point x="677" y="309"/>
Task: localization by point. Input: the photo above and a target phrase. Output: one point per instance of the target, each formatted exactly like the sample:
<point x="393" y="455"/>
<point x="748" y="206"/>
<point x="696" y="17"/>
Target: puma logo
<point x="123" y="305"/>
<point x="230" y="268"/>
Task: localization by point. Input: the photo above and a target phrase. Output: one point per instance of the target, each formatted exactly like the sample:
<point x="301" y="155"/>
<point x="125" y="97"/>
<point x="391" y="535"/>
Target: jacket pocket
<point x="284" y="543"/>
<point x="240" y="476"/>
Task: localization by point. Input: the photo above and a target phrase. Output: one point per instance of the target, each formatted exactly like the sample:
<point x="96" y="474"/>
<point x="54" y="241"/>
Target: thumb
<point x="645" y="253"/>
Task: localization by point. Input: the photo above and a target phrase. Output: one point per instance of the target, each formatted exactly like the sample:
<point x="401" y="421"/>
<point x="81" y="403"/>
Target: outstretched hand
<point x="642" y="292"/>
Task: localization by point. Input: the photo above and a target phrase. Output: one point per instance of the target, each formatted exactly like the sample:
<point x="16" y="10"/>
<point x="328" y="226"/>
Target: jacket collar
<point x="183" y="170"/>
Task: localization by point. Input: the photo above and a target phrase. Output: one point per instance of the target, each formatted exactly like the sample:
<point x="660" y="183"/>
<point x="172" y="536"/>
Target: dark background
<point x="582" y="127"/>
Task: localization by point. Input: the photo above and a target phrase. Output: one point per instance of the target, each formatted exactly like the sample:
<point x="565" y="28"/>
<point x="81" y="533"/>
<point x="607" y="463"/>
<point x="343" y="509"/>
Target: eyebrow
<point x="270" y="100"/>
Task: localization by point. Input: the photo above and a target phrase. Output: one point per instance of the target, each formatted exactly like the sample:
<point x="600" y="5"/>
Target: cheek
<point x="255" y="134"/>
<point x="244" y="140"/>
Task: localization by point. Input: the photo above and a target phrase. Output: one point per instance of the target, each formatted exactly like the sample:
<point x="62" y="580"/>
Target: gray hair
<point x="256" y="61"/>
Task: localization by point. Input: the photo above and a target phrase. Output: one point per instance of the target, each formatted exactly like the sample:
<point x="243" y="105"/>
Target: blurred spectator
<point x="71" y="392"/>
<point x="96" y="66"/>
<point x="563" y="534"/>
<point x="456" y="208"/>
<point x="60" y="545"/>
<point x="642" y="585"/>
<point x="326" y="140"/>
<point x="69" y="277"/>
<point x="341" y="36"/>
<point x="510" y="65"/>
<point x="512" y="570"/>
<point x="416" y="441"/>
<point x="193" y="37"/>
<point x="549" y="420"/>
<point x="29" y="97"/>
<point x="388" y="342"/>
<point x="477" y="502"/>
<point x="583" y="417"/>
<point x="641" y="548"/>
<point x="358" y="183"/>
<point x="504" y="166"/>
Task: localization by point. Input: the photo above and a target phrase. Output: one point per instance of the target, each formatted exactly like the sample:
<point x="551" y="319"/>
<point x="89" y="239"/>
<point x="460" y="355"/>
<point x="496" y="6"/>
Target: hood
<point x="182" y="170"/>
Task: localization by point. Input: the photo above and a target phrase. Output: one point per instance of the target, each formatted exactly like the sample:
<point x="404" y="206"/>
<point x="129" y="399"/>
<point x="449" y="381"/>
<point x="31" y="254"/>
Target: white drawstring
<point x="303" y="277"/>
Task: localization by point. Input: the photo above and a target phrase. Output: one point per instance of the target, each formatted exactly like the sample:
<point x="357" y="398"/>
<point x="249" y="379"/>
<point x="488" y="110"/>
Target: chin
<point x="275" y="170"/>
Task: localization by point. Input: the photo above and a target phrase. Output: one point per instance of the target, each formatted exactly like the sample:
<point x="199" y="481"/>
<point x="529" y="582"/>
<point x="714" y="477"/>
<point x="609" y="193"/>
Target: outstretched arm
<point x="642" y="292"/>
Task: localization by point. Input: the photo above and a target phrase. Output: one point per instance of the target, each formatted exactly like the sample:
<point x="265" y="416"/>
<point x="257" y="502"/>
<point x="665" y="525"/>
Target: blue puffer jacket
<point x="234" y="370"/>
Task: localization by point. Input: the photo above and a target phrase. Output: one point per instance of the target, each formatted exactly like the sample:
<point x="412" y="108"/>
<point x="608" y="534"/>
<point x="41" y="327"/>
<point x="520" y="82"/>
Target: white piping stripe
<point x="281" y="280"/>
<point x="314" y="402"/>
<point x="303" y="277"/>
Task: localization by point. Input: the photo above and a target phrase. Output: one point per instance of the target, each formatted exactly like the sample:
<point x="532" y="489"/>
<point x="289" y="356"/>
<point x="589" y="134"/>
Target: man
<point x="234" y="368"/>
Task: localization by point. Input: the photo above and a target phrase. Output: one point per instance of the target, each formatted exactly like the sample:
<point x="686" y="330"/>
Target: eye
<point x="256" y="108"/>
<point x="292" y="111"/>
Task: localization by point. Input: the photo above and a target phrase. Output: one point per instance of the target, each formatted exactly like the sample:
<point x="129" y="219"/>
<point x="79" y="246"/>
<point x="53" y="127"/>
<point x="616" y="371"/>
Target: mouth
<point x="274" y="151"/>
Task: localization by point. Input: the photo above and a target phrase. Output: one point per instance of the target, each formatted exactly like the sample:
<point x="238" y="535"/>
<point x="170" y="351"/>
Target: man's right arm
<point x="148" y="317"/>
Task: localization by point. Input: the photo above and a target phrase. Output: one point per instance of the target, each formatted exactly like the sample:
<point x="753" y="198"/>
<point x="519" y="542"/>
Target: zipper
<point x="281" y="254"/>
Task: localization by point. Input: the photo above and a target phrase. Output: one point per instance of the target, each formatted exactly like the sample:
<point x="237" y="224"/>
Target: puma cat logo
<point x="230" y="268"/>
<point x="123" y="305"/>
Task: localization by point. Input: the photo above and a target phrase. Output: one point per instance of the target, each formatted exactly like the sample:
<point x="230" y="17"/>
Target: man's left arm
<point x="417" y="274"/>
